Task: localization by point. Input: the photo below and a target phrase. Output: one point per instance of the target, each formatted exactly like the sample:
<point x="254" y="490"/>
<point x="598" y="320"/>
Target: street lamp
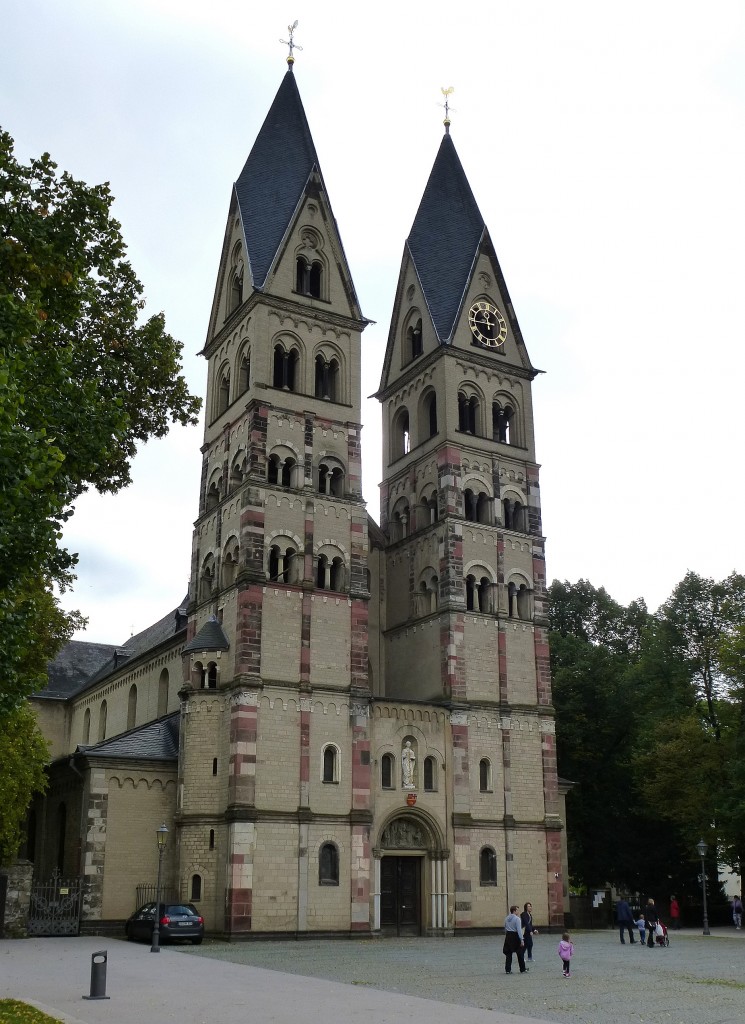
<point x="702" y="848"/>
<point x="162" y="836"/>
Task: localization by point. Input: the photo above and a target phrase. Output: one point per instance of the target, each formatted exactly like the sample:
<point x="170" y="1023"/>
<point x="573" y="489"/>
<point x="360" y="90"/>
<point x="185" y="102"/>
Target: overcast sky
<point x="605" y="145"/>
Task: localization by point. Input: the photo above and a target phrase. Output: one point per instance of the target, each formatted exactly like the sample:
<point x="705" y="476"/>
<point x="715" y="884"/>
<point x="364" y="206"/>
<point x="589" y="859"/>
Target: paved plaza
<point x="696" y="980"/>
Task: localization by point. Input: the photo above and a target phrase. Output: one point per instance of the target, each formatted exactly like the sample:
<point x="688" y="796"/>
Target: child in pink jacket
<point x="566" y="952"/>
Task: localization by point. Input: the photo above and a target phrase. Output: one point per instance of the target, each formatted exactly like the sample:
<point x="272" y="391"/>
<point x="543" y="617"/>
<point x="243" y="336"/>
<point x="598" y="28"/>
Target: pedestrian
<point x="526" y="919"/>
<point x="625" y="920"/>
<point x="737" y="912"/>
<point x="651" y="920"/>
<point x="641" y="925"/>
<point x="674" y="914"/>
<point x="513" y="941"/>
<point x="566" y="952"/>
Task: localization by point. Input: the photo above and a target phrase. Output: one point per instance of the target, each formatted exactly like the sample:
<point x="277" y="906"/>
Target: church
<point x="347" y="728"/>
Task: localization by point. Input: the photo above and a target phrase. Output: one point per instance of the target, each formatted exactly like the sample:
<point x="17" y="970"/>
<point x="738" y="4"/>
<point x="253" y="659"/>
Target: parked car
<point x="177" y="921"/>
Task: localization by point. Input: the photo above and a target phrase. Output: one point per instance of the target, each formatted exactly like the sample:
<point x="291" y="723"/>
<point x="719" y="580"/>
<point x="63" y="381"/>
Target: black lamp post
<point x="162" y="834"/>
<point x="702" y="848"/>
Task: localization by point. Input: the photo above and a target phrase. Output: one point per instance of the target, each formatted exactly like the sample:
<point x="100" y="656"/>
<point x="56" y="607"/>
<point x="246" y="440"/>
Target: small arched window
<point x="212" y="676"/>
<point x="315" y="279"/>
<point x="469" y="411"/>
<point x="244" y="373"/>
<point x="285" y="368"/>
<point x="430" y="775"/>
<point x="223" y="393"/>
<point x="87" y="727"/>
<point x="503" y="422"/>
<point x="301" y="275"/>
<point x="132" y="707"/>
<point x="102" y="713"/>
<point x="401" y="436"/>
<point x="212" y="839"/>
<point x="487" y="866"/>
<point x="328" y="865"/>
<point x="236" y="289"/>
<point x="485" y="785"/>
<point x="386" y="771"/>
<point x="414" y="340"/>
<point x="196" y="888"/>
<point x="163" y="693"/>
<point x="330" y="764"/>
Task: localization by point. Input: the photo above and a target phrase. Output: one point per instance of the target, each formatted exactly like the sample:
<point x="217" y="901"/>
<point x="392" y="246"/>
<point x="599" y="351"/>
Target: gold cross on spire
<point x="291" y="43"/>
<point x="446" y="93"/>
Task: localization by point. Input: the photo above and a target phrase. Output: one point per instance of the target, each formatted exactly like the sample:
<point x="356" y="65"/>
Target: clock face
<point x="487" y="324"/>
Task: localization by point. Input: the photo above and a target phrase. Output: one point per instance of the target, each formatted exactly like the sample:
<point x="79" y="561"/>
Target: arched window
<point x="212" y="839"/>
<point x="401" y="435"/>
<point x="244" y="373"/>
<point x="327" y="378"/>
<point x="315" y="279"/>
<point x="285" y="368"/>
<point x="214" y="766"/>
<point x="523" y="602"/>
<point x="503" y="418"/>
<point x="330" y="479"/>
<point x="469" y="505"/>
<point x="211" y="676"/>
<point x="132" y="707"/>
<point x="328" y="865"/>
<point x="469" y="411"/>
<point x="212" y="498"/>
<point x="282" y="564"/>
<point x="236" y="473"/>
<point x="288" y="467"/>
<point x="414" y="340"/>
<point x="236" y="289"/>
<point x="87" y="727"/>
<point x="485" y="785"/>
<point x="196" y="888"/>
<point x="487" y="866"/>
<point x="514" y="515"/>
<point x="330" y="573"/>
<point x="102" y="712"/>
<point x="199" y="675"/>
<point x="163" y="693"/>
<point x="430" y="775"/>
<point x="330" y="764"/>
<point x="386" y="771"/>
<point x="484" y="595"/>
<point x="207" y="578"/>
<point x="223" y="392"/>
<point x="470" y="592"/>
<point x="301" y="275"/>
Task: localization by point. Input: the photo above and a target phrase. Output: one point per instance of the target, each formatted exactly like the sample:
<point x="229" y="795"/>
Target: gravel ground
<point x="696" y="980"/>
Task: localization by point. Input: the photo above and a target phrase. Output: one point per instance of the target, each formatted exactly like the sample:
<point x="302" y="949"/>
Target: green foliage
<point x="23" y="755"/>
<point x="651" y="728"/>
<point x="83" y="379"/>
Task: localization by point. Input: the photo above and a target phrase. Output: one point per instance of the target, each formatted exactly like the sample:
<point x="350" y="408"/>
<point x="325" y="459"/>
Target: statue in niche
<point x="408" y="764"/>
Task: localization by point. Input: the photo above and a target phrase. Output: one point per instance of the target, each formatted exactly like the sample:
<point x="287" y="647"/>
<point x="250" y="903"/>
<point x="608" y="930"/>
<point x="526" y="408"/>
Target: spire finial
<point x="447" y="92"/>
<point x="291" y="43"/>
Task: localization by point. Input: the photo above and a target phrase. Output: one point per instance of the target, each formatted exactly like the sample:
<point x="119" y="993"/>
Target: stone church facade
<point x="346" y="727"/>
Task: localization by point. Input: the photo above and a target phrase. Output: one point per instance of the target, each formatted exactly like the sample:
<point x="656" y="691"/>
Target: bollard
<point x="98" y="975"/>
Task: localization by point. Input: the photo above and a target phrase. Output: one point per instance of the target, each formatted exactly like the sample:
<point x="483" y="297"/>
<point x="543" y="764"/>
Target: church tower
<point x="278" y="613"/>
<point x="465" y="609"/>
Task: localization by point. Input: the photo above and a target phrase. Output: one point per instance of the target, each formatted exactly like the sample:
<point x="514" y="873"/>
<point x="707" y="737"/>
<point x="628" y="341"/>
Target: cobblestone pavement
<point x="696" y="980"/>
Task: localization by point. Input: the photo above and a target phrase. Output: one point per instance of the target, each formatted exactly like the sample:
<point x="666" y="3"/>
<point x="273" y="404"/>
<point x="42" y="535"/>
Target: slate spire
<point x="445" y="238"/>
<point x="273" y="180"/>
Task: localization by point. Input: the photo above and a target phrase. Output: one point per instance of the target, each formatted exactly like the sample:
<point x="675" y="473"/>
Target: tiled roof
<point x="80" y="664"/>
<point x="156" y="741"/>
<point x="272" y="182"/>
<point x="445" y="237"/>
<point x="75" y="663"/>
<point x="209" y="638"/>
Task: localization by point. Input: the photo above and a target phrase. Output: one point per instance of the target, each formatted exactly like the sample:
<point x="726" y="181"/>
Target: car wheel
<point x="196" y="942"/>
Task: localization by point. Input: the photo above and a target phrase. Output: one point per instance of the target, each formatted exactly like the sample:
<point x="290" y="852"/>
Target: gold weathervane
<point x="446" y="93"/>
<point x="291" y="43"/>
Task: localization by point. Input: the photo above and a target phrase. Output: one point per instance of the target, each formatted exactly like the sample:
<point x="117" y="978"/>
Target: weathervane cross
<point x="291" y="43"/>
<point x="446" y="92"/>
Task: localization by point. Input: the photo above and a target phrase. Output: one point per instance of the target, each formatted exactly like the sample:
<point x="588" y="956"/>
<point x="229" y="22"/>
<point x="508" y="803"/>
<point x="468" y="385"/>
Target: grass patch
<point x="13" y="1011"/>
<point x="724" y="982"/>
<point x="362" y="983"/>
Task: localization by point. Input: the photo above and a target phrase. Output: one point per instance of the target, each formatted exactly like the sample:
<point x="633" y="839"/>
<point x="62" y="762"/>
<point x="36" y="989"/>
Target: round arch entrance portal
<point x="409" y="899"/>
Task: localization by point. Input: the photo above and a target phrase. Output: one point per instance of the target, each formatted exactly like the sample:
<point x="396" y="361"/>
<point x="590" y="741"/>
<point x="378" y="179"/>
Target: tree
<point x="23" y="755"/>
<point x="699" y="614"/>
<point x="83" y="380"/>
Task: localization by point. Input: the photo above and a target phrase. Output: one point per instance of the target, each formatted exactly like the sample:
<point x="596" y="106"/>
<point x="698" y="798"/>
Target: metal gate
<point x="55" y="906"/>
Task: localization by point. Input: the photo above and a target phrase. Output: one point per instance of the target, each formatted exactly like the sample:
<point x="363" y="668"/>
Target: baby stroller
<point x="660" y="935"/>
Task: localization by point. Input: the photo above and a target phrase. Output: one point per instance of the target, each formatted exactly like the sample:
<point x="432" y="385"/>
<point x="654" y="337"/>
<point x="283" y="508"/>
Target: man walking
<point x="513" y="941"/>
<point x="625" y="920"/>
